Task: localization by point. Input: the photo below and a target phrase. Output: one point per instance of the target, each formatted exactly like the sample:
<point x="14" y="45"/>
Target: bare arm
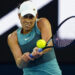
<point x="46" y="33"/>
<point x="20" y="58"/>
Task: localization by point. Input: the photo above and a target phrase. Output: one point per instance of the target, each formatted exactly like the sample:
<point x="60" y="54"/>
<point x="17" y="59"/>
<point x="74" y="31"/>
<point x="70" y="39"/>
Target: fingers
<point x="26" y="57"/>
<point x="35" y="53"/>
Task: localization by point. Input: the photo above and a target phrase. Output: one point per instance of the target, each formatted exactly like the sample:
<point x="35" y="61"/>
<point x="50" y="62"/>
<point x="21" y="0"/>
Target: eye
<point x="25" y="16"/>
<point x="30" y="16"/>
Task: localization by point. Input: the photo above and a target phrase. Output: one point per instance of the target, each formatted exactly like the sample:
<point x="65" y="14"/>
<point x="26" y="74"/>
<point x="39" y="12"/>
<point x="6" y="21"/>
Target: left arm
<point x="46" y="33"/>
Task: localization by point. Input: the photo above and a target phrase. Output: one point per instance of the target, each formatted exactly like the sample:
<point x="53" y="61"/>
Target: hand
<point x="26" y="58"/>
<point x="35" y="53"/>
<point x="23" y="60"/>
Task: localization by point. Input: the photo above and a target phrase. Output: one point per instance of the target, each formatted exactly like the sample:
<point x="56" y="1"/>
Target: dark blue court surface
<point x="67" y="69"/>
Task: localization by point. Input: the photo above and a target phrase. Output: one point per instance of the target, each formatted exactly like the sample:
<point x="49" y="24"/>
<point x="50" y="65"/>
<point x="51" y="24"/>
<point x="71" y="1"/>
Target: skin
<point x="27" y="25"/>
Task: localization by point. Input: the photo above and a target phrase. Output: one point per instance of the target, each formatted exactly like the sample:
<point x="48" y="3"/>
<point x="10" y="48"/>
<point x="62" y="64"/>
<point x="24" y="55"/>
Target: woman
<point x="22" y="43"/>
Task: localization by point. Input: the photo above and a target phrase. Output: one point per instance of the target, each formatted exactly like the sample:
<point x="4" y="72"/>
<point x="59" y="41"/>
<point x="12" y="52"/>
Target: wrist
<point x="18" y="63"/>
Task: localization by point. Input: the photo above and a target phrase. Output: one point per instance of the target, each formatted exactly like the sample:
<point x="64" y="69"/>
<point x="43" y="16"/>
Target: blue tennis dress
<point x="46" y="64"/>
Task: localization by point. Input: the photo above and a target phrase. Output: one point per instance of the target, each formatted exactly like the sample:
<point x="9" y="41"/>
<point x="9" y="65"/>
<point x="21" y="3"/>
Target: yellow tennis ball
<point x="41" y="43"/>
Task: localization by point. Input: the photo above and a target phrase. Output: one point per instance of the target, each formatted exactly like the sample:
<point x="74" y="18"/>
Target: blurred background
<point x="56" y="11"/>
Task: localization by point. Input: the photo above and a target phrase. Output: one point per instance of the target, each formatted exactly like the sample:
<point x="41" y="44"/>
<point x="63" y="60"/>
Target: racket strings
<point x="58" y="42"/>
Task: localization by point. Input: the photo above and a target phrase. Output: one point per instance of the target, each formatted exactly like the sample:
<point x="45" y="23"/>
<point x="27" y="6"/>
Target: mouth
<point x="28" y="26"/>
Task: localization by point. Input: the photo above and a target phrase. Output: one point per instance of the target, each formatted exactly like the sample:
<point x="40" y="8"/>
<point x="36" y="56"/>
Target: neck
<point x="25" y="31"/>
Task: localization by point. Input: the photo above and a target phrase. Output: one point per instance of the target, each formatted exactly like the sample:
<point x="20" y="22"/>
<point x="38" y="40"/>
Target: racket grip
<point x="31" y="56"/>
<point x="39" y="50"/>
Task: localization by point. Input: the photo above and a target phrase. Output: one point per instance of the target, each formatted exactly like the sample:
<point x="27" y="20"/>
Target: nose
<point x="28" y="21"/>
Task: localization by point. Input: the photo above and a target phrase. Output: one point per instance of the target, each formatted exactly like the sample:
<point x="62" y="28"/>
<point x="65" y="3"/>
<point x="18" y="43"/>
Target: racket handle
<point x="31" y="56"/>
<point x="39" y="50"/>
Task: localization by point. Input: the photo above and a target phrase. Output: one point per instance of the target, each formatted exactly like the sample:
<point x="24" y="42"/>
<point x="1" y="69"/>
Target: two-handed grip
<point x="39" y="50"/>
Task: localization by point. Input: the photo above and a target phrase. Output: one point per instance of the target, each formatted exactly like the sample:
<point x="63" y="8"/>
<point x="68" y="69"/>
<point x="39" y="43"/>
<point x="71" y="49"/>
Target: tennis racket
<point x="60" y="41"/>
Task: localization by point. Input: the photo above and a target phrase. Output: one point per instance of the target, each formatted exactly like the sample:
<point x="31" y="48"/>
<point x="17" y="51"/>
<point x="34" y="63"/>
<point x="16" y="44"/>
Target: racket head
<point x="60" y="42"/>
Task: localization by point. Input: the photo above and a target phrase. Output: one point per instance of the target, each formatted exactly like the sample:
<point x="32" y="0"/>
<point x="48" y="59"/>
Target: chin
<point x="28" y="29"/>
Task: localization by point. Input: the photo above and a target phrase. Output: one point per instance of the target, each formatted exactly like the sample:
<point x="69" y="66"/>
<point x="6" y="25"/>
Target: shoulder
<point x="43" y="22"/>
<point x="12" y="36"/>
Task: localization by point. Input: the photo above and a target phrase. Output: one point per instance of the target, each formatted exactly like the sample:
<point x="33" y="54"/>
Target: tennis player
<point x="22" y="43"/>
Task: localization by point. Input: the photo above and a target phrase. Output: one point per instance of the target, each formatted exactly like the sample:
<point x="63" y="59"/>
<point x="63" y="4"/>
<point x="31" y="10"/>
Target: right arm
<point x="20" y="58"/>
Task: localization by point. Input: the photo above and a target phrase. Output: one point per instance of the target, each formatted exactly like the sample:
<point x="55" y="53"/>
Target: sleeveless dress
<point x="46" y="64"/>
